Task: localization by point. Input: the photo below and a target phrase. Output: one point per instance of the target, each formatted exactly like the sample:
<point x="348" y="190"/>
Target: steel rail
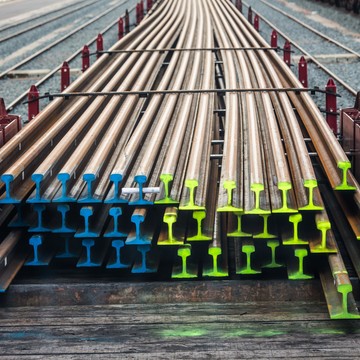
<point x="128" y="74"/>
<point x="151" y="145"/>
<point x="258" y="183"/>
<point x="230" y="191"/>
<point x="19" y="99"/>
<point x="298" y="159"/>
<point x="140" y="132"/>
<point x="20" y="32"/>
<point x="310" y="28"/>
<point x="304" y="161"/>
<point x="309" y="56"/>
<point x="333" y="157"/>
<point x="198" y="166"/>
<point x="337" y="288"/>
<point x="176" y="154"/>
<point x="157" y="127"/>
<point x="16" y="144"/>
<point x="48" y="47"/>
<point x="282" y="174"/>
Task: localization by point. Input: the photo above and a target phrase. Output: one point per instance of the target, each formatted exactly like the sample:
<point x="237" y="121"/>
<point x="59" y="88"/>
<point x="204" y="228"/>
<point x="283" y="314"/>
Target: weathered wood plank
<point x="231" y="291"/>
<point x="203" y="354"/>
<point x="329" y="338"/>
<point x="164" y="313"/>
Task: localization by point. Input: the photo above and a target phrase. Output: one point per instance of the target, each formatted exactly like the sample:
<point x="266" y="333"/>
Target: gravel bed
<point x="11" y="88"/>
<point x="29" y="43"/>
<point x="348" y="71"/>
<point x="339" y="25"/>
<point x="41" y="18"/>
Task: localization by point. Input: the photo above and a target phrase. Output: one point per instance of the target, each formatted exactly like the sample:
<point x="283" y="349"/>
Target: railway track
<point x="42" y="57"/>
<point x="307" y="45"/>
<point x="172" y="146"/>
<point x="313" y="30"/>
<point x="16" y="33"/>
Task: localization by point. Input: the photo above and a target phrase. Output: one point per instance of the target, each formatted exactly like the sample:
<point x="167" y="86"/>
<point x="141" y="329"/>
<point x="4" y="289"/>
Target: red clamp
<point x="331" y="116"/>
<point x="33" y="102"/>
<point x="9" y="124"/>
<point x="99" y="45"/>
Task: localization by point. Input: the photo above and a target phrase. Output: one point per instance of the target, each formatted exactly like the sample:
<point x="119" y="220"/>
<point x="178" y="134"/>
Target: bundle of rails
<point x="129" y="178"/>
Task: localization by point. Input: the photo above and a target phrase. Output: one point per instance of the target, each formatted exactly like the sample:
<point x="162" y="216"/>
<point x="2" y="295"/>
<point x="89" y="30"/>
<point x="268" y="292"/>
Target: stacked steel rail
<point x="127" y="160"/>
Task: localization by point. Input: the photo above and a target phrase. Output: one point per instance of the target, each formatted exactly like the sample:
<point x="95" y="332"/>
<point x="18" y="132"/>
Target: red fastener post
<point x="85" y="58"/>
<point x="303" y="73"/>
<point x="250" y="15"/>
<point x="3" y="112"/>
<point x="99" y="45"/>
<point x="273" y="40"/>
<point x="239" y="5"/>
<point x="331" y="117"/>
<point x="287" y="53"/>
<point x="257" y="22"/>
<point x="33" y="104"/>
<point x="148" y="5"/>
<point x="127" y="22"/>
<point x="9" y="124"/>
<point x="137" y="13"/>
<point x="65" y="76"/>
<point x="141" y="10"/>
<point x="120" y="28"/>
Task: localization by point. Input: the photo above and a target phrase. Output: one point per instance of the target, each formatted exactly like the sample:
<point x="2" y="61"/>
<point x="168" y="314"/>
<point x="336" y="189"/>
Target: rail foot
<point x="115" y="260"/>
<point x="215" y="270"/>
<point x="273" y="264"/>
<point x="295" y="240"/>
<point x="137" y="237"/>
<point x="199" y="216"/>
<point x="185" y="271"/>
<point x="63" y="210"/>
<point x="86" y="212"/>
<point x="147" y="263"/>
<point x="265" y="233"/>
<point x="115" y="212"/>
<point x="298" y="273"/>
<point x="39" y="208"/>
<point x="239" y="232"/>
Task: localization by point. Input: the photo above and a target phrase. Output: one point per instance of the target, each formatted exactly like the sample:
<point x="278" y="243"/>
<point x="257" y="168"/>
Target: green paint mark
<point x="284" y="187"/>
<point x="311" y="185"/>
<point x="329" y="331"/>
<point x="166" y="179"/>
<point x="192" y="185"/>
<point x="273" y="244"/>
<point x="252" y="333"/>
<point x="238" y="232"/>
<point x="265" y="233"/>
<point x="344" y="166"/>
<point x="229" y="186"/>
<point x="184" y="332"/>
<point x="247" y="269"/>
<point x="184" y="252"/>
<point x="295" y="240"/>
<point x="199" y="216"/>
<point x="215" y="252"/>
<point x="299" y="274"/>
<point x="257" y="189"/>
